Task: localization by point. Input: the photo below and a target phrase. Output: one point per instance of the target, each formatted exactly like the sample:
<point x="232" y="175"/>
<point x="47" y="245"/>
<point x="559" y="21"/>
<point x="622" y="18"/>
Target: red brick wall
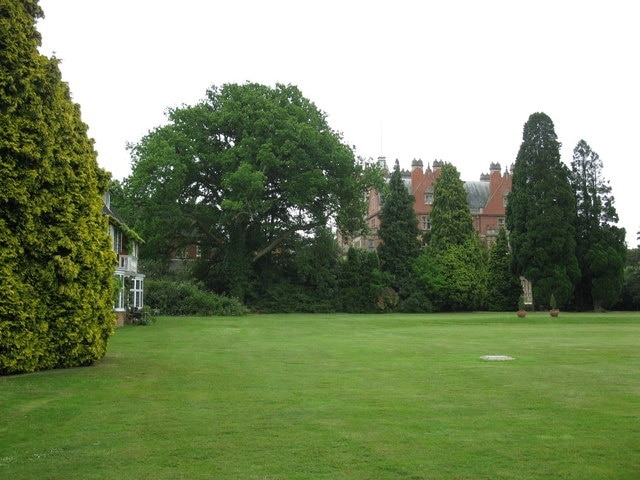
<point x="487" y="222"/>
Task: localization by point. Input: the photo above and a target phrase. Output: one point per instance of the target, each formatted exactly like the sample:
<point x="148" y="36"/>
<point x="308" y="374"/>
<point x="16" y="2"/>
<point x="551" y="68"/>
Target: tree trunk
<point x="597" y="305"/>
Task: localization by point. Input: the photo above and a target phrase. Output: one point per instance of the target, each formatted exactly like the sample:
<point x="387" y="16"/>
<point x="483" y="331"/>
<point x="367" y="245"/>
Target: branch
<point x="283" y="237"/>
<point x="203" y="228"/>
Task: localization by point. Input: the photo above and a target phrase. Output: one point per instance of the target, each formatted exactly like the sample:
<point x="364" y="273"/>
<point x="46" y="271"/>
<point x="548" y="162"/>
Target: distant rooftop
<point x="477" y="193"/>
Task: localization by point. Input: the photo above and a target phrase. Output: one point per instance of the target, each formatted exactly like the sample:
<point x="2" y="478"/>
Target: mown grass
<point x="338" y="397"/>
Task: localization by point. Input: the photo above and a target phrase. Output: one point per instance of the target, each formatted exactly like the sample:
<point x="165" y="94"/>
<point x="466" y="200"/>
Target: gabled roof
<point x="116" y="220"/>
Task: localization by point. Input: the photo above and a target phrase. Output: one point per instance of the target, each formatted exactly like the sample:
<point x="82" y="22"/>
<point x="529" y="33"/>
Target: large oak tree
<point x="240" y="174"/>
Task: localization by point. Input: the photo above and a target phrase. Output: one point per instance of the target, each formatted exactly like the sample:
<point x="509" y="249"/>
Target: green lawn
<point x="338" y="397"/>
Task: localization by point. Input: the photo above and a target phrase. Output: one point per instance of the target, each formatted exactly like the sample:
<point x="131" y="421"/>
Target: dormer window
<point x="428" y="196"/>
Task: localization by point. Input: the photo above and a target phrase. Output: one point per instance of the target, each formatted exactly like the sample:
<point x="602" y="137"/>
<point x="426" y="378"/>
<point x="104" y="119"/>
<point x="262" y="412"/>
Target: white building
<point x="129" y="283"/>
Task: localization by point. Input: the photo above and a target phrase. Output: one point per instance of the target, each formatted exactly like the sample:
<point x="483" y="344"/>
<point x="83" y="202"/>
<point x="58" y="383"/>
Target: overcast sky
<point x="450" y="80"/>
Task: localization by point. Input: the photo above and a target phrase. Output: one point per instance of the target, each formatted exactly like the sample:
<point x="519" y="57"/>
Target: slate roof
<point x="477" y="194"/>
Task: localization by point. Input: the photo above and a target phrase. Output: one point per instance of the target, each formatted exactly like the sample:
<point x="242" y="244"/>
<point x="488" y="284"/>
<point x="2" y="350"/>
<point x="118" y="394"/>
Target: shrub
<point x="55" y="252"/>
<point x="287" y="297"/>
<point x="180" y="298"/>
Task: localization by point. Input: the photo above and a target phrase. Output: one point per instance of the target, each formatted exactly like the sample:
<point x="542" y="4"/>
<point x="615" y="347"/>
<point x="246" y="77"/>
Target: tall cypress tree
<point x="541" y="215"/>
<point x="451" y="221"/>
<point x="601" y="249"/>
<point x="454" y="254"/>
<point x="56" y="263"/>
<point x="399" y="234"/>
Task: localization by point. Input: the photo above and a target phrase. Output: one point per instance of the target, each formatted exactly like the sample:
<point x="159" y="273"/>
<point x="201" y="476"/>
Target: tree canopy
<point x="503" y="287"/>
<point x="240" y="174"/>
<point x="55" y="257"/>
<point x="452" y="266"/>
<point x="541" y="215"/>
<point x="600" y="243"/>
<point x="451" y="221"/>
<point x="399" y="235"/>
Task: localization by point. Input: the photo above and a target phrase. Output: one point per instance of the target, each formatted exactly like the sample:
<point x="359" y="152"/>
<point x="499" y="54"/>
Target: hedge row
<point x="180" y="298"/>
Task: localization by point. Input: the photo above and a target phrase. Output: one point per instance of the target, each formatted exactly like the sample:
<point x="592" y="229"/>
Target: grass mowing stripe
<point x="338" y="396"/>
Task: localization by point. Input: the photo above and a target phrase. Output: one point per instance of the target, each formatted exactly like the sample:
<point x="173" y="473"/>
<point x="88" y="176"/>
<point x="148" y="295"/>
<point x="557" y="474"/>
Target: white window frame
<point x="136" y="293"/>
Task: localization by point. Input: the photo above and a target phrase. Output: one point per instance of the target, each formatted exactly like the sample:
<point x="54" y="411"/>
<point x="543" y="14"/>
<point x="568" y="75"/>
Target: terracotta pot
<point x="522" y="313"/>
<point x="554" y="313"/>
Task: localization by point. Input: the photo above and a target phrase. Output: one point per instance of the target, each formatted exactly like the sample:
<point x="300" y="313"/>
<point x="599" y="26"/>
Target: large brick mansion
<point x="487" y="200"/>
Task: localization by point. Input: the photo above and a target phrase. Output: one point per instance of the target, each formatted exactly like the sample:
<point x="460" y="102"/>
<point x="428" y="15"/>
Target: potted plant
<point x="521" y="311"/>
<point x="554" y="312"/>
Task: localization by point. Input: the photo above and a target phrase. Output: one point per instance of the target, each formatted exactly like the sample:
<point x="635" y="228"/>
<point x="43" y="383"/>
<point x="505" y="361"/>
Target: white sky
<point x="450" y="79"/>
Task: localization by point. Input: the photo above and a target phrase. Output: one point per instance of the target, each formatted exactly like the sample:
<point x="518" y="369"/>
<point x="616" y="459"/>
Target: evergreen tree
<point x="55" y="257"/>
<point x="452" y="267"/>
<point x="503" y="287"/>
<point x="360" y="281"/>
<point x="316" y="264"/>
<point x="399" y="234"/>
<point x="601" y="247"/>
<point x="631" y="288"/>
<point x="451" y="221"/>
<point x="541" y="215"/>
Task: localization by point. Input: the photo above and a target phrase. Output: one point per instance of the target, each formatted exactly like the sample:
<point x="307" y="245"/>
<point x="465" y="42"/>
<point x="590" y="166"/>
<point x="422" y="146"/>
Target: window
<point x="501" y="223"/>
<point x="426" y="222"/>
<point x="119" y="297"/>
<point x="117" y="240"/>
<point x="505" y="198"/>
<point x="137" y="286"/>
<point x="428" y="196"/>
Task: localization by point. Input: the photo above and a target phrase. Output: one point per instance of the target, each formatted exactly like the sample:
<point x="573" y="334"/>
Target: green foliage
<point x="607" y="266"/>
<point x="240" y="174"/>
<point x="552" y="302"/>
<point x="452" y="269"/>
<point x="454" y="278"/>
<point x="467" y="282"/>
<point x="399" y="235"/>
<point x="300" y="278"/>
<point x="541" y="215"/>
<point x="630" y="295"/>
<point x="600" y="244"/>
<point x="431" y="276"/>
<point x="504" y="289"/>
<point x="451" y="221"/>
<point x="630" y="298"/>
<point x="285" y="296"/>
<point x="316" y="265"/>
<point x="180" y="298"/>
<point x="54" y="242"/>
<point x="361" y="283"/>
